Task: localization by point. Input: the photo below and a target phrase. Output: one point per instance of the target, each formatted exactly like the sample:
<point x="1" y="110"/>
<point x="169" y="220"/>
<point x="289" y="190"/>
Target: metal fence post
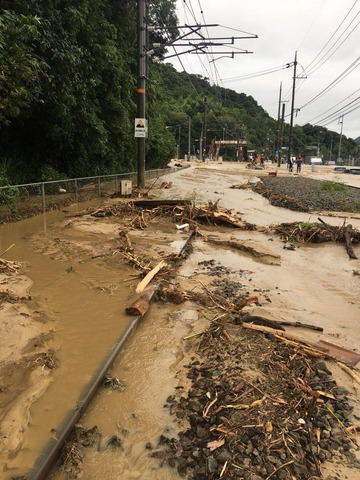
<point x="43" y="196"/>
<point x="99" y="186"/>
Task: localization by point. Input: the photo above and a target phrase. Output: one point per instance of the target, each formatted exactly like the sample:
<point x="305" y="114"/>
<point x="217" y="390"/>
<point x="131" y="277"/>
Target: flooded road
<point x="79" y="294"/>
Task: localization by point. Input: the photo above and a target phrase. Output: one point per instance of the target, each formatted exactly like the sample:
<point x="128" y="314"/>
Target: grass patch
<point x="307" y="225"/>
<point x="353" y="206"/>
<point x="329" y="186"/>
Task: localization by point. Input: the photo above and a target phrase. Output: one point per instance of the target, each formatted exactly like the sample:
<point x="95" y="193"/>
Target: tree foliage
<point x="68" y="93"/>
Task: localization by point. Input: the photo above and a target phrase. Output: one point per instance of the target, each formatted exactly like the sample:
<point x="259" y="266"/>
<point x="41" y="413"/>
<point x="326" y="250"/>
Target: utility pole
<point x="341" y="120"/>
<point x="189" y="140"/>
<point x="278" y="130"/>
<point x="178" y="145"/>
<point x="292" y="110"/>
<point x="281" y="130"/>
<point x="141" y="87"/>
<point x="205" y="126"/>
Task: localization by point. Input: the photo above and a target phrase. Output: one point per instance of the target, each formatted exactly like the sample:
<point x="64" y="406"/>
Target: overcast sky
<point x="316" y="29"/>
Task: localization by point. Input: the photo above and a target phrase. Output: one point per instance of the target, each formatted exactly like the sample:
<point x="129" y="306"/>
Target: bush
<point x="9" y="194"/>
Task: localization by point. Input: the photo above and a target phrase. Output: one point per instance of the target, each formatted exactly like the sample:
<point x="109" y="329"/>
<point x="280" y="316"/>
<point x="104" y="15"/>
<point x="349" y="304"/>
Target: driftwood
<point x="222" y="217"/>
<point x="150" y="204"/>
<point x="257" y="320"/>
<point x="300" y="325"/>
<point x="139" y="307"/>
<point x="348" y="370"/>
<point x="147" y="279"/>
<point x="3" y="253"/>
<point x="348" y="245"/>
<point x="310" y="347"/>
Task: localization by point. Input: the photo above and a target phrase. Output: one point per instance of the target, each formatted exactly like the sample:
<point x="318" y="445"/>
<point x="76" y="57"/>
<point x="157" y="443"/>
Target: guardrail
<point x="28" y="199"/>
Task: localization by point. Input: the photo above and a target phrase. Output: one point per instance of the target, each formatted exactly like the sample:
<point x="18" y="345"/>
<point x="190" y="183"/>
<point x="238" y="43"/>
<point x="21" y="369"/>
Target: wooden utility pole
<point x="292" y="111"/>
<point x="189" y="140"/>
<point x="278" y="130"/>
<point x="141" y="87"/>
<point x="205" y="127"/>
<point x="281" y="130"/>
<point x="341" y="120"/>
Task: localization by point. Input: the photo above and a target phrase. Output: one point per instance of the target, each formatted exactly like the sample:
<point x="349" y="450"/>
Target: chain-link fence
<point x="21" y="201"/>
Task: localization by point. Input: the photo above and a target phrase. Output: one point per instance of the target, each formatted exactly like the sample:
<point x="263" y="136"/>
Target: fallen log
<point x="150" y="204"/>
<point x="348" y="245"/>
<point x="147" y="279"/>
<point x="139" y="307"/>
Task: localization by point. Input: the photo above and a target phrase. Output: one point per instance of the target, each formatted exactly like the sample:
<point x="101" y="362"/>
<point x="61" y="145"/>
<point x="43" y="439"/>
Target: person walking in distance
<point x="298" y="163"/>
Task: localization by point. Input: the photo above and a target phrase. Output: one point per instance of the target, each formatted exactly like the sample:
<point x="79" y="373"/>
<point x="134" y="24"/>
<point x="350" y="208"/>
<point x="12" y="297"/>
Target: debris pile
<point x="319" y="233"/>
<point x="257" y="408"/>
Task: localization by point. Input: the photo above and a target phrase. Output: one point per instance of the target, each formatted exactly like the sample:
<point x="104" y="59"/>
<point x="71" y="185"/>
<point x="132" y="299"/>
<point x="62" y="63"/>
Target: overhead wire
<point x="261" y="73"/>
<point x="342" y="115"/>
<point x="332" y="36"/>
<point x="308" y="71"/>
<point x="331" y="85"/>
<point x="341" y="101"/>
<point x="340" y="111"/>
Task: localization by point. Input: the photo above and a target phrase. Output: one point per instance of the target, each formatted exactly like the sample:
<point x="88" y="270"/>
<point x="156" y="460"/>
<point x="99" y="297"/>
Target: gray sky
<point x="325" y="34"/>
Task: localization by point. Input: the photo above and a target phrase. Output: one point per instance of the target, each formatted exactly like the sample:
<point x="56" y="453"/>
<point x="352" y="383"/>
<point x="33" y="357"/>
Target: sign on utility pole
<point x="140" y="128"/>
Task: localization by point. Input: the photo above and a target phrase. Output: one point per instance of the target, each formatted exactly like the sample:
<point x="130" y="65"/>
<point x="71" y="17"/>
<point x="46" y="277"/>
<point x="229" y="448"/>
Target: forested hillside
<point x="68" y="101"/>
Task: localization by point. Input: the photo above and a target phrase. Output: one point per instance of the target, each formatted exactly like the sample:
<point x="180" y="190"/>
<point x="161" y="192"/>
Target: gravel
<point x="306" y="194"/>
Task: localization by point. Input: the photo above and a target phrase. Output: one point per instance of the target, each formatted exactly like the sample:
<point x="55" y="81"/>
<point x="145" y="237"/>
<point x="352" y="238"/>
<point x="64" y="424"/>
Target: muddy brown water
<point x="83" y="302"/>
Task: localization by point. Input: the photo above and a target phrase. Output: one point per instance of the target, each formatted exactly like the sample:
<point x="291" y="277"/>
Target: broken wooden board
<point x="341" y="354"/>
<point x="147" y="279"/>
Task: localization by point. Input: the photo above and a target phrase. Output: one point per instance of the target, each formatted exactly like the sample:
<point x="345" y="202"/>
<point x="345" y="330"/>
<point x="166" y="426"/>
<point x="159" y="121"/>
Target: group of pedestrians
<point x="298" y="162"/>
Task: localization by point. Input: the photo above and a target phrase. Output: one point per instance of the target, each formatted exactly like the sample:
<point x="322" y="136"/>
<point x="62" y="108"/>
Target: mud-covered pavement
<point x="312" y="284"/>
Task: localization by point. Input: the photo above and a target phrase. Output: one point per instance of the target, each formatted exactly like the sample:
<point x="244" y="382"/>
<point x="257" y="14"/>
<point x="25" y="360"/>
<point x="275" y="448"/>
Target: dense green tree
<point x="21" y="69"/>
<point x="68" y="94"/>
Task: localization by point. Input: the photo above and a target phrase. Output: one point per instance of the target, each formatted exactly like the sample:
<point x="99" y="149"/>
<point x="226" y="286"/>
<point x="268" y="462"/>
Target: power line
<point x="332" y="36"/>
<point x="347" y="113"/>
<point x="339" y="111"/>
<point x="261" y="73"/>
<point x="341" y="101"/>
<point x="331" y="85"/>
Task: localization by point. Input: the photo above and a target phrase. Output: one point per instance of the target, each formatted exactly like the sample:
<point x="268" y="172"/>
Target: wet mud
<point x="80" y="283"/>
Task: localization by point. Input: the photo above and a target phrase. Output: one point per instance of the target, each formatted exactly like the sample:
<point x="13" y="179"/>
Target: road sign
<point x="140" y="127"/>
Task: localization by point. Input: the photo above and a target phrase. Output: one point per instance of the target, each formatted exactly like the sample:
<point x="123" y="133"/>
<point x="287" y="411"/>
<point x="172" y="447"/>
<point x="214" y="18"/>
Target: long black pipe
<point x="47" y="459"/>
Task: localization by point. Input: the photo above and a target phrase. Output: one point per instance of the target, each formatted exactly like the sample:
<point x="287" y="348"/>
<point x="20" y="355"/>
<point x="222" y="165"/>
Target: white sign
<point x="140" y="127"/>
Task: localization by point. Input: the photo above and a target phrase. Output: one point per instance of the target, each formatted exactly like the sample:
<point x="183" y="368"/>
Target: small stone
<point x="224" y="456"/>
<point x="212" y="465"/>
